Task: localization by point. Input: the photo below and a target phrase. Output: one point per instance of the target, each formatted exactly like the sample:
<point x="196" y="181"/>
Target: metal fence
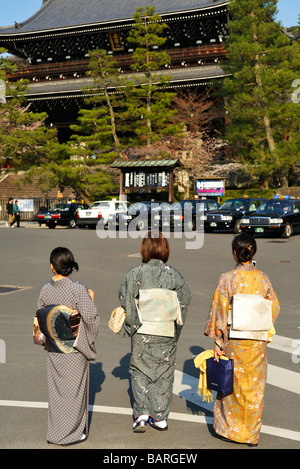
<point x="38" y="205"/>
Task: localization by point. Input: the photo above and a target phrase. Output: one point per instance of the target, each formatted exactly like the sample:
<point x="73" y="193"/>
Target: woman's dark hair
<point x="155" y="246"/>
<point x="244" y="246"/>
<point x="63" y="261"/>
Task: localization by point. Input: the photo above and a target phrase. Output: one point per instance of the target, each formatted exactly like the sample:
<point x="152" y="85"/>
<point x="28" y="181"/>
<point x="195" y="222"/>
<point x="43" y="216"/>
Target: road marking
<point x="284" y="344"/>
<point x="6" y="289"/>
<point x="203" y="419"/>
<point x="25" y="404"/>
<point x="280" y="432"/>
<point x="284" y="379"/>
<point x="185" y="386"/>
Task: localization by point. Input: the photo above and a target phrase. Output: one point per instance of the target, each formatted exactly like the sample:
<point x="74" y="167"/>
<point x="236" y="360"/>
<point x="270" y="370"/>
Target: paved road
<point x="103" y="264"/>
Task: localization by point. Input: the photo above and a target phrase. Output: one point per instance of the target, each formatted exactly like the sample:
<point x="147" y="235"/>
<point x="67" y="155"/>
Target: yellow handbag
<point x="116" y="320"/>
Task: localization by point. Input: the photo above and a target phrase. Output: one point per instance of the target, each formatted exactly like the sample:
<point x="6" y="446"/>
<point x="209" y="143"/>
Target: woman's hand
<point x="218" y="351"/>
<point x="92" y="294"/>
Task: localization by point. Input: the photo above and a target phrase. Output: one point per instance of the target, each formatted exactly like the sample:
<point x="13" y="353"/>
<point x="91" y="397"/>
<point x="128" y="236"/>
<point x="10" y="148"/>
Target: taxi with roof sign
<point x="229" y="214"/>
<point x="280" y="216"/>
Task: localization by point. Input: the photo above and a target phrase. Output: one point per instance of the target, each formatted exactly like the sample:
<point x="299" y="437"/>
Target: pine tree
<point x="23" y="134"/>
<point x="95" y="142"/>
<point x="149" y="103"/>
<point x="263" y="128"/>
<point x="103" y="101"/>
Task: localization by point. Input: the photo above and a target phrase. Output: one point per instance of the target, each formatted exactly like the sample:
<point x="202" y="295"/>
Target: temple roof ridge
<point x="19" y="25"/>
<point x="63" y="14"/>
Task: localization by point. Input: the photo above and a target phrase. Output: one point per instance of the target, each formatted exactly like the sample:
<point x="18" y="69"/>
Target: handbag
<point x="116" y="320"/>
<point x="219" y="375"/>
<point x="38" y="336"/>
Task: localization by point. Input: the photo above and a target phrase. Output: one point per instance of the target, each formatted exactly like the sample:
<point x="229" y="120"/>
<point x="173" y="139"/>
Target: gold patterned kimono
<point x="238" y="417"/>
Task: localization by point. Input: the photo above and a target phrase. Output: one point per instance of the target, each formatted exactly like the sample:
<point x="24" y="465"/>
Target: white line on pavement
<point x="284" y="344"/>
<point x="279" y="432"/>
<point x="283" y="379"/>
<point x="185" y="387"/>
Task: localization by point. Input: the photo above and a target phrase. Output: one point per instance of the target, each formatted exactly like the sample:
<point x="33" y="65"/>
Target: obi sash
<point x="54" y="322"/>
<point x="251" y="317"/>
<point x="158" y="309"/>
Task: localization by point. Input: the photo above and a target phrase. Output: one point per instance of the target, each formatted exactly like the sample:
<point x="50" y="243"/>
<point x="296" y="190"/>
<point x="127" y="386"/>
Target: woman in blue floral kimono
<point x="152" y="363"/>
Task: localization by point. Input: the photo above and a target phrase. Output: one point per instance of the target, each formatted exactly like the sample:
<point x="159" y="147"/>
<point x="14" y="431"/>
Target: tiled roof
<point x="61" y="88"/>
<point x="145" y="163"/>
<point x="61" y="14"/>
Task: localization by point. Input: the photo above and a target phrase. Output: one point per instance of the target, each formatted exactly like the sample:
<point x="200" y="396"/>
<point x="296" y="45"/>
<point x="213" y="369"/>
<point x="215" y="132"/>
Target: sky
<point x="21" y="10"/>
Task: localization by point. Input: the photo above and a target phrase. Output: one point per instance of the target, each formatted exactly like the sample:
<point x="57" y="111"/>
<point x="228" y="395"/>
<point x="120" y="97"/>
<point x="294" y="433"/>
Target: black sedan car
<point x="140" y="216"/>
<point x="229" y="214"/>
<point x="188" y="215"/>
<point x="63" y="214"/>
<point x="280" y="216"/>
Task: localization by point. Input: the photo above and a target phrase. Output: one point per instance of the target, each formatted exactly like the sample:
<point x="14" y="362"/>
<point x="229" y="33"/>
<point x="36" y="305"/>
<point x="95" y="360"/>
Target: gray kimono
<point x="152" y="363"/>
<point x="68" y="374"/>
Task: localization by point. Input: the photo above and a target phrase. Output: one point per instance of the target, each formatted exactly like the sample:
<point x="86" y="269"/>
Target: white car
<point x="100" y="210"/>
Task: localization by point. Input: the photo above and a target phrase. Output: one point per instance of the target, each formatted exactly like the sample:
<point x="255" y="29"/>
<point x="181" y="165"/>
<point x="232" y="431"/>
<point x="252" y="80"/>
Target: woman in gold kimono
<point x="238" y="417"/>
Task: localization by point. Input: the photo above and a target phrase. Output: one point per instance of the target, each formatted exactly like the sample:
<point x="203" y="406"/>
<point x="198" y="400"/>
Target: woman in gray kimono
<point x="68" y="373"/>
<point x="152" y="363"/>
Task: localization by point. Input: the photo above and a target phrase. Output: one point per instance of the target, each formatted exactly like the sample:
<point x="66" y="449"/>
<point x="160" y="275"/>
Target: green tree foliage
<point x="23" y="134"/>
<point x="263" y="128"/>
<point x="95" y="141"/>
<point x="122" y="110"/>
<point x="32" y="146"/>
<point x="98" y="126"/>
<point x="149" y="103"/>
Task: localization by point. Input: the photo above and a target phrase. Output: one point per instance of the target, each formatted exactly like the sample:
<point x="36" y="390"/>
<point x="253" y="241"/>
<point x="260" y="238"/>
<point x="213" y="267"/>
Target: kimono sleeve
<point x="184" y="297"/>
<point x="127" y="293"/>
<point x="125" y="330"/>
<point x="86" y="307"/>
<point x="89" y="323"/>
<point x="216" y="326"/>
<point x="41" y="303"/>
<point x="271" y="295"/>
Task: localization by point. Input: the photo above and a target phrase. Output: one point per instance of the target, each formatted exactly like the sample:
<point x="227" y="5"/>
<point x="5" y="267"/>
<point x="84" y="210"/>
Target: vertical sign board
<point x="143" y="176"/>
<point x="116" y="41"/>
<point x="146" y="179"/>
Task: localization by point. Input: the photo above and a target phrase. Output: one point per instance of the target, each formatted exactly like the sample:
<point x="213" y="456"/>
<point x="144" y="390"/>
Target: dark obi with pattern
<point x="54" y="322"/>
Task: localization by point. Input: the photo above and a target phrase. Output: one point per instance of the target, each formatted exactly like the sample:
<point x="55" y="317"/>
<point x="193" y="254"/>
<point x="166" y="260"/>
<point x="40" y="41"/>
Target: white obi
<point x="251" y="317"/>
<point x="158" y="309"/>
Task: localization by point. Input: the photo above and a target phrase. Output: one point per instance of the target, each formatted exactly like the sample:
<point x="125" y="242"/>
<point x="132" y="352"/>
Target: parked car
<point x="100" y="210"/>
<point x="280" y="216"/>
<point x="62" y="214"/>
<point x="229" y="214"/>
<point x="188" y="214"/>
<point x="141" y="215"/>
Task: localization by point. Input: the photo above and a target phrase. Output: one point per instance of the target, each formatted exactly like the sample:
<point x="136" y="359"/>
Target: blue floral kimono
<point x="152" y="363"/>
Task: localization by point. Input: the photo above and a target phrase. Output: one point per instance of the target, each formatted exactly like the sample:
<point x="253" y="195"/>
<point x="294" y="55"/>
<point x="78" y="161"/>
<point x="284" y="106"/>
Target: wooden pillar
<point x="171" y="186"/>
<point x="122" y="192"/>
